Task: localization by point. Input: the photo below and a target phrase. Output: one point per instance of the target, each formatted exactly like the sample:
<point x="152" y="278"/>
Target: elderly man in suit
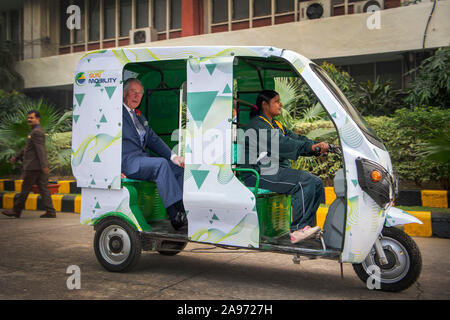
<point x="166" y="170"/>
<point x="35" y="169"/>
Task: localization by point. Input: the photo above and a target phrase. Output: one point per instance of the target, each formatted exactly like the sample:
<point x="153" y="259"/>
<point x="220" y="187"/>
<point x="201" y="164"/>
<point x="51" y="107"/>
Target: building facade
<point x="49" y="36"/>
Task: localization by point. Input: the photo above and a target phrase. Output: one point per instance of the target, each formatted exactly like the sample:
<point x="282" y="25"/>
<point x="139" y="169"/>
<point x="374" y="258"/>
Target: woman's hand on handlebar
<point x="321" y="147"/>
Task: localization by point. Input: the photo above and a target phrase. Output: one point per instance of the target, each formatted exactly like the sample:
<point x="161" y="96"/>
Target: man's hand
<point x="179" y="161"/>
<point x="45" y="170"/>
<point x="122" y="176"/>
<point x="324" y="147"/>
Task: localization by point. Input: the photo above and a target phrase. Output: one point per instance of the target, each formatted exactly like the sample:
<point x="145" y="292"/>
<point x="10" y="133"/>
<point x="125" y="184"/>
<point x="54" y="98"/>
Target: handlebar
<point x="332" y="149"/>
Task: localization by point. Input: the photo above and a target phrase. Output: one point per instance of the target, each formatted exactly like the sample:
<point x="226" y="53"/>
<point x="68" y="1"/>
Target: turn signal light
<point x="376" y="175"/>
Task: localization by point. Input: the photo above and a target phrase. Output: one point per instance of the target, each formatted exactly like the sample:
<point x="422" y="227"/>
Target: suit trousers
<point x="167" y="176"/>
<point x="31" y="177"/>
<point x="306" y="192"/>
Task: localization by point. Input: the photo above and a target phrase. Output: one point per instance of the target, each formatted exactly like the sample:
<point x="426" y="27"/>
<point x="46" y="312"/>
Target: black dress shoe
<point x="10" y="213"/>
<point x="179" y="220"/>
<point x="48" y="215"/>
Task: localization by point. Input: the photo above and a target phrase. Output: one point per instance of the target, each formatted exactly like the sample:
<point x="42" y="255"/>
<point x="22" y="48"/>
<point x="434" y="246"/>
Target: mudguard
<point x="395" y="217"/>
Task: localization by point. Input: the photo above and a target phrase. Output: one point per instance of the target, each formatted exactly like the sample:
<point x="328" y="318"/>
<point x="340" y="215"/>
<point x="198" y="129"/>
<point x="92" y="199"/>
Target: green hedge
<point x="404" y="135"/>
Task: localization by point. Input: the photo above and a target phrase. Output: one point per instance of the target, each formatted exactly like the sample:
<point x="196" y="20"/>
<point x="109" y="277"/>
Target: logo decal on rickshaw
<point x="80" y="79"/>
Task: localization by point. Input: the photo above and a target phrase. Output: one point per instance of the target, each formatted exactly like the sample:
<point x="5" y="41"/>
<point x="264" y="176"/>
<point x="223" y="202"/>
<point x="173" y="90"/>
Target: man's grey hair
<point x="128" y="82"/>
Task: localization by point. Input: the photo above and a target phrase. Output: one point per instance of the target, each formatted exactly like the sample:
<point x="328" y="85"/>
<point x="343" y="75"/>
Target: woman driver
<point x="306" y="189"/>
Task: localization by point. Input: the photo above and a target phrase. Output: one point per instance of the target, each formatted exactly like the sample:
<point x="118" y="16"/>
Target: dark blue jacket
<point x="131" y="146"/>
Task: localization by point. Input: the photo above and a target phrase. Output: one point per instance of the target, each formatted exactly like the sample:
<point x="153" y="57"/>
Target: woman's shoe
<point x="303" y="234"/>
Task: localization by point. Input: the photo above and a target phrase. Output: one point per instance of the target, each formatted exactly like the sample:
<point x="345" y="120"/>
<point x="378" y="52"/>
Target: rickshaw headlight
<point x="374" y="180"/>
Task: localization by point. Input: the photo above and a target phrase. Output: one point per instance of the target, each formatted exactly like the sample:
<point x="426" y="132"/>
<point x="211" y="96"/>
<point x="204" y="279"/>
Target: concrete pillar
<point x="191" y="17"/>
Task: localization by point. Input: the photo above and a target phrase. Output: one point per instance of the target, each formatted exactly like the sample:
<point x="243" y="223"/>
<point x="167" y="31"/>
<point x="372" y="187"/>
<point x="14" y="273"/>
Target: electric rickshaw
<point x="190" y="94"/>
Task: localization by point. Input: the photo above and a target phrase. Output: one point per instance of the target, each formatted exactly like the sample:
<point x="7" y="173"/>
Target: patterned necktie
<point x="139" y="127"/>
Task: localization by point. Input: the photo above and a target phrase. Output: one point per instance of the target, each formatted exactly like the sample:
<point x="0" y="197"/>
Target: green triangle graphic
<point x="97" y="206"/>
<point x="211" y="68"/>
<point x="214" y="217"/>
<point x="227" y="89"/>
<point x="355" y="183"/>
<point x="188" y="149"/>
<point x="79" y="97"/>
<point x="98" y="84"/>
<point x="75" y="117"/>
<point x="97" y="158"/>
<point x="199" y="176"/>
<point x="110" y="91"/>
<point x="103" y="119"/>
<point x="333" y="114"/>
<point x="92" y="182"/>
<point x="199" y="104"/>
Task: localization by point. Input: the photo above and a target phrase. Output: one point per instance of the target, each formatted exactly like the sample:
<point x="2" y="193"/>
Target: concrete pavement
<point x="36" y="253"/>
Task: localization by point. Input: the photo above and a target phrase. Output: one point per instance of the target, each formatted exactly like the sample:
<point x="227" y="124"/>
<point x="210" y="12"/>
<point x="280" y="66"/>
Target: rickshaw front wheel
<point x="117" y="245"/>
<point x="404" y="263"/>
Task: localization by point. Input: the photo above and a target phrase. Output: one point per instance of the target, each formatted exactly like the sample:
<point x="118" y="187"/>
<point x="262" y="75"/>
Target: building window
<point x="108" y="22"/>
<point x="141" y="13"/>
<point x="262" y="8"/>
<point x="240" y="10"/>
<point x="79" y="33"/>
<point x="219" y="11"/>
<point x="109" y="19"/>
<point x="159" y="14"/>
<point x="125" y="17"/>
<point x="94" y="20"/>
<point x="284" y="6"/>
<point x="250" y="13"/>
<point x="64" y="32"/>
<point x="175" y="14"/>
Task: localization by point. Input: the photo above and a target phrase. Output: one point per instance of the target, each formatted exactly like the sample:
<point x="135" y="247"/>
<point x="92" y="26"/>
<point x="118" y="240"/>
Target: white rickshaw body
<point x="221" y="210"/>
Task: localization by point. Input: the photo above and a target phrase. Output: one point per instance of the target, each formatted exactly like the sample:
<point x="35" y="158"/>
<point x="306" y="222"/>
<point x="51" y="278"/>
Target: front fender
<point x="395" y="217"/>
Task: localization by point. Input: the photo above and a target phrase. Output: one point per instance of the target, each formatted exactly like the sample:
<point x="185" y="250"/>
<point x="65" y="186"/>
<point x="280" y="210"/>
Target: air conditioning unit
<point x="369" y="6"/>
<point x="315" y="9"/>
<point x="143" y="35"/>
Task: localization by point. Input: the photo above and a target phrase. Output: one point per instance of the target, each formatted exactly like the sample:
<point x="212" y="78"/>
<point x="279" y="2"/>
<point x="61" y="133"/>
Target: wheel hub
<point x="115" y="244"/>
<point x="397" y="257"/>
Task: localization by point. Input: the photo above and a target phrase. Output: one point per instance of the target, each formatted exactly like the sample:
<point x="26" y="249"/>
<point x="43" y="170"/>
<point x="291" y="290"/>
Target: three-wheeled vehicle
<point x="190" y="93"/>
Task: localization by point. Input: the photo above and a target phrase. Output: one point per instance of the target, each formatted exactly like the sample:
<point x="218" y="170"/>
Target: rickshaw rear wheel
<point x="117" y="245"/>
<point x="404" y="262"/>
<point x="171" y="248"/>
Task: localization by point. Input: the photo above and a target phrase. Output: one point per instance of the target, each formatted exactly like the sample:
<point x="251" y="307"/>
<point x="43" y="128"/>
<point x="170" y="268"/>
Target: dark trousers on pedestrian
<point x="31" y="177"/>
<point x="306" y="192"/>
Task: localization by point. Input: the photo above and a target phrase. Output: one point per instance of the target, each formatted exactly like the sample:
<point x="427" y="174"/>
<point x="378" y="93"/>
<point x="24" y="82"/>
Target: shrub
<point x="432" y="83"/>
<point x="408" y="137"/>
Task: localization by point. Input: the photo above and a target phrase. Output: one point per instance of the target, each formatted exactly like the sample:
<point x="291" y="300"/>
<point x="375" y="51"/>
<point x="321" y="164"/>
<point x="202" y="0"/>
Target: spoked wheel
<point x="117" y="245"/>
<point x="404" y="262"/>
<point x="171" y="248"/>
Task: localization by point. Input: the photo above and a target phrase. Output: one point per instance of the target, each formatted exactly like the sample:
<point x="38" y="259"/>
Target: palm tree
<point x="14" y="131"/>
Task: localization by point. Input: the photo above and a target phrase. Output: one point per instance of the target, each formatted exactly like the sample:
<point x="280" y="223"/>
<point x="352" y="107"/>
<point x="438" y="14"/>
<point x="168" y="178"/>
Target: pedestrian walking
<point x="35" y="169"/>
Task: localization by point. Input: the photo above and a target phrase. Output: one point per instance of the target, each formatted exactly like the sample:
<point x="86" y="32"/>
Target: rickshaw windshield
<point x="351" y="110"/>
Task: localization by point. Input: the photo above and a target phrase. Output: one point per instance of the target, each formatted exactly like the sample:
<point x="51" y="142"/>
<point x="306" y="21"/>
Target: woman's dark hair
<point x="264" y="95"/>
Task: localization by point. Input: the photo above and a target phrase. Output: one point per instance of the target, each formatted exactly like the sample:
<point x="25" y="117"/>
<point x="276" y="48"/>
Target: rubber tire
<point x="415" y="258"/>
<point x="176" y="247"/>
<point x="135" y="241"/>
